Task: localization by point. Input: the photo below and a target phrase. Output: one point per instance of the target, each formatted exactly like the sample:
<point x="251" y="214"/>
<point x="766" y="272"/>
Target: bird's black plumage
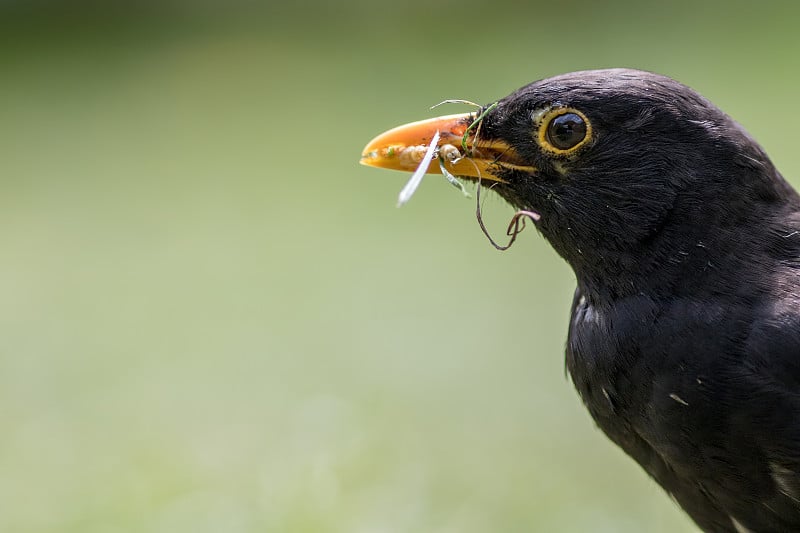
<point x="684" y="339"/>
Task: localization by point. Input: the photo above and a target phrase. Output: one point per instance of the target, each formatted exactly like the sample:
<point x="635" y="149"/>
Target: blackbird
<point x="684" y="335"/>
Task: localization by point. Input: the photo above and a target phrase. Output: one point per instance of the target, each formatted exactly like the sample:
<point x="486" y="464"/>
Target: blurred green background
<point x="213" y="319"/>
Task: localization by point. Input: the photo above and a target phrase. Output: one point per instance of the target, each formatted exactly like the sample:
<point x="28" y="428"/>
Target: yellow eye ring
<point x="564" y="130"/>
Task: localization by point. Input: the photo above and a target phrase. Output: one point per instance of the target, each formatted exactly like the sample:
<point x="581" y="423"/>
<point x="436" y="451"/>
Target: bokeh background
<point x="213" y="319"/>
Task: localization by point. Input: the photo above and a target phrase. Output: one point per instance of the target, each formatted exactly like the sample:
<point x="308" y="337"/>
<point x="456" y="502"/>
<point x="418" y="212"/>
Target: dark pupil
<point x="565" y="131"/>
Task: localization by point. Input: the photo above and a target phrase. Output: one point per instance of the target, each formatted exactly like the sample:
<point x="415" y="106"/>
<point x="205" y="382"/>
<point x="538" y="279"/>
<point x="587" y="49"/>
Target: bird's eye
<point x="566" y="131"/>
<point x="562" y="131"/>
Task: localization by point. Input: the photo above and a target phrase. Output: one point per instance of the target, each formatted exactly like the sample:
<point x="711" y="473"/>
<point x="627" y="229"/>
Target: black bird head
<point x="637" y="178"/>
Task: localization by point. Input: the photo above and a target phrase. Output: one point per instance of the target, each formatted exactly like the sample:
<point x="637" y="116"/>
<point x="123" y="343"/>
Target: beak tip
<point x="370" y="158"/>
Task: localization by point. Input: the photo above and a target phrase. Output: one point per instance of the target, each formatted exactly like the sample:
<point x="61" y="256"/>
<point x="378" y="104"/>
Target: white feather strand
<point x="416" y="178"/>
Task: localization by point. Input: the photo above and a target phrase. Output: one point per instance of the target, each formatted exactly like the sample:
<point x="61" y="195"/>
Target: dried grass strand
<point x="515" y="225"/>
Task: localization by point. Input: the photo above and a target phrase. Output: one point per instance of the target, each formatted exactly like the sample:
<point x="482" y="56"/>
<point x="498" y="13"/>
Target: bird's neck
<point x="734" y="249"/>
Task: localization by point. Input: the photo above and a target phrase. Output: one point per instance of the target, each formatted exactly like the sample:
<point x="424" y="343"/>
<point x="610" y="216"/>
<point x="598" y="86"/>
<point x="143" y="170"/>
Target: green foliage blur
<point x="213" y="319"/>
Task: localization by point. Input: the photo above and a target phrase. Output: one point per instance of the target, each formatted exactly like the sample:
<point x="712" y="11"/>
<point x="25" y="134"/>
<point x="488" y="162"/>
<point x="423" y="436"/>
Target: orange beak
<point x="404" y="147"/>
